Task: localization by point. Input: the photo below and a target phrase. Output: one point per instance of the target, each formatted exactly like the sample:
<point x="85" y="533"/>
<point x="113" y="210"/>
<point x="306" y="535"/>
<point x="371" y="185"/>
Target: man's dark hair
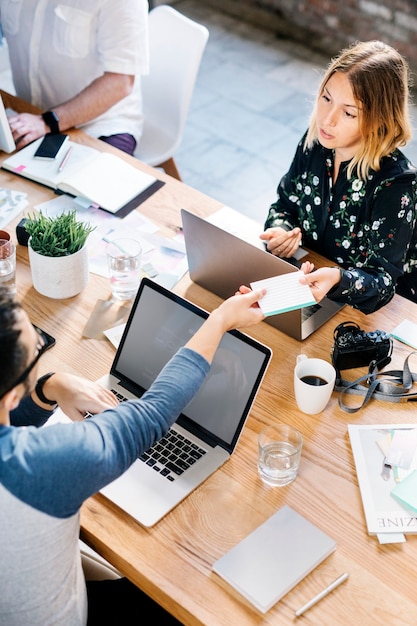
<point x="13" y="353"/>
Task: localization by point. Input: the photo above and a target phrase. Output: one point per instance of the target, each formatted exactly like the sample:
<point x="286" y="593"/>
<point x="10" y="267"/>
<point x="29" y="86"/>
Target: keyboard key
<point x="172" y="455"/>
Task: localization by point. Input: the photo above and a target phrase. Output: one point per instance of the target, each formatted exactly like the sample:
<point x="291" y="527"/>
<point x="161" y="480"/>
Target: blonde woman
<point x="350" y="193"/>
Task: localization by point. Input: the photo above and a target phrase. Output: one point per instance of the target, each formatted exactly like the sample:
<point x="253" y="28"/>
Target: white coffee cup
<point x="313" y="383"/>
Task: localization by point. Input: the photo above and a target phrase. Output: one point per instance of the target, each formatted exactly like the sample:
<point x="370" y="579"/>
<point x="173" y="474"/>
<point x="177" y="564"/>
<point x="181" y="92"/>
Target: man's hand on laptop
<point x="77" y="396"/>
<point x="26" y="127"/>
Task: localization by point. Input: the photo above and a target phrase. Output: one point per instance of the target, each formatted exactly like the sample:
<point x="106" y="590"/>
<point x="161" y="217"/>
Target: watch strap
<point x="51" y="119"/>
<point x="39" y="389"/>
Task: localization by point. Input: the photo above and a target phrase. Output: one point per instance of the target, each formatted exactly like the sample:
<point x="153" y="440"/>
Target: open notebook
<point x="207" y="432"/>
<point x="103" y="178"/>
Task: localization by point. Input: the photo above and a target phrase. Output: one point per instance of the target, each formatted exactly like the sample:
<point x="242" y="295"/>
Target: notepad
<point x="406" y="332"/>
<point x="104" y="179"/>
<point x="284" y="293"/>
<point x="274" y="558"/>
<point x="406" y="491"/>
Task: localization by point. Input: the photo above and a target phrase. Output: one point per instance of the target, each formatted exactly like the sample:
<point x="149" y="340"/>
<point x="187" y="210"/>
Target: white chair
<point x="176" y="47"/>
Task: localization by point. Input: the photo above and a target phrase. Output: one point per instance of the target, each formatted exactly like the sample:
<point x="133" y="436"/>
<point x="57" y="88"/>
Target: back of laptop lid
<point x="221" y="262"/>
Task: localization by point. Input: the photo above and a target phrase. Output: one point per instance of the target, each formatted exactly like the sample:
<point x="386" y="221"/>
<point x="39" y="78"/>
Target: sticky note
<point x="406" y="491"/>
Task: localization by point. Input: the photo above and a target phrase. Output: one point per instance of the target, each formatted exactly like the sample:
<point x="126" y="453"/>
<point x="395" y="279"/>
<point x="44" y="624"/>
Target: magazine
<point x="384" y="456"/>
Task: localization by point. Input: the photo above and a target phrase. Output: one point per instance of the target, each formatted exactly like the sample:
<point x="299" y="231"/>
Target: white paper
<point x="11" y="204"/>
<point x="243" y="227"/>
<point x="406" y="332"/>
<point x="114" y="334"/>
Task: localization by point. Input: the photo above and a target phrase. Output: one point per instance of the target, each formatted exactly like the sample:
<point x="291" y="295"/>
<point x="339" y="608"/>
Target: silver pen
<point x="322" y="594"/>
<point x="65" y="160"/>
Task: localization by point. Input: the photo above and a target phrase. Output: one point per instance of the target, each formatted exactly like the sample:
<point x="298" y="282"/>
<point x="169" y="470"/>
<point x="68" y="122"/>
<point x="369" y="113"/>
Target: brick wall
<point x="330" y="25"/>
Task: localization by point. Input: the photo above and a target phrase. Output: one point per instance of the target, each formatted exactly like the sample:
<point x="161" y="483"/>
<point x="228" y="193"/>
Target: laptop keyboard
<point x="308" y="311"/>
<point x="172" y="455"/>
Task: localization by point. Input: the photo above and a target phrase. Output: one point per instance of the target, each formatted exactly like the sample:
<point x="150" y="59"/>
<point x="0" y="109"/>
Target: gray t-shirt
<point x="45" y="476"/>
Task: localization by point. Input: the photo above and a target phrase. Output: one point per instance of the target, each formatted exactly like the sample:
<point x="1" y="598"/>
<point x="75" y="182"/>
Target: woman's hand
<point x="282" y="243"/>
<point x="320" y="281"/>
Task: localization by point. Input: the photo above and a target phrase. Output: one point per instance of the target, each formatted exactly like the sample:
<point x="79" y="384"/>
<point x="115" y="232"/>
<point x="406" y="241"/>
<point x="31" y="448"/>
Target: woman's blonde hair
<point x="379" y="77"/>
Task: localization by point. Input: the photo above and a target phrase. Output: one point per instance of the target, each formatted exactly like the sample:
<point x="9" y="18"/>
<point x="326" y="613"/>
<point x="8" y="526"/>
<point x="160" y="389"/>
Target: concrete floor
<point x="250" y="107"/>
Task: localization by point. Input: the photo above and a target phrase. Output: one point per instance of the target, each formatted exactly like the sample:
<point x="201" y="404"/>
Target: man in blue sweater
<point x="47" y="473"/>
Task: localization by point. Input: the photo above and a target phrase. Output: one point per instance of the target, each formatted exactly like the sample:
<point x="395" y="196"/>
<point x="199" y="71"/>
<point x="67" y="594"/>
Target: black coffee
<point x="316" y="381"/>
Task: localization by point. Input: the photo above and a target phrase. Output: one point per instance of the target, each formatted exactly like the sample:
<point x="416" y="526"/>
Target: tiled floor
<point x="250" y="107"/>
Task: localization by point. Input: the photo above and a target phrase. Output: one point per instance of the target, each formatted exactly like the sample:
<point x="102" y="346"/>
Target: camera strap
<point x="391" y="386"/>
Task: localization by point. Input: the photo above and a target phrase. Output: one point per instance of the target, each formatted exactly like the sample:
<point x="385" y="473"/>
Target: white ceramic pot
<point x="59" y="277"/>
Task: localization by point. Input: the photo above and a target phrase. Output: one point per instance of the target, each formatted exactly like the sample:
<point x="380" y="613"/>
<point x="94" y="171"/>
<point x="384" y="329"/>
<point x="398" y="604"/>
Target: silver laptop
<point x="220" y="262"/>
<point x="207" y="432"/>
<point x="7" y="143"/>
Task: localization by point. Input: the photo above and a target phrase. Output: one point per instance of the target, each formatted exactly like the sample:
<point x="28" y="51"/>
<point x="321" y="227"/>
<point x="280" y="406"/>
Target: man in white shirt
<point x="80" y="62"/>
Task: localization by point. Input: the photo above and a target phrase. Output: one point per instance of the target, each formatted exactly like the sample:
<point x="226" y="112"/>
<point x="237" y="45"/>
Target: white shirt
<point x="57" y="48"/>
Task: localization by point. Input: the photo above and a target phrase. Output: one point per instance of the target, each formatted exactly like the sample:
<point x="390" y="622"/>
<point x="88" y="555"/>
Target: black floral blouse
<point x="368" y="228"/>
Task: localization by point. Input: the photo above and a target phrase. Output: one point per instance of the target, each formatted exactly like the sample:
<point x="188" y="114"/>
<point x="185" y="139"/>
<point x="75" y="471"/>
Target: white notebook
<point x="101" y="177"/>
<point x="274" y="558"/>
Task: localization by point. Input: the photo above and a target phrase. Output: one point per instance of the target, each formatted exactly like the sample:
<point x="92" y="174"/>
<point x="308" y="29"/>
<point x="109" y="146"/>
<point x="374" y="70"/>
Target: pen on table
<point x="65" y="160"/>
<point x="322" y="594"/>
<point x="177" y="229"/>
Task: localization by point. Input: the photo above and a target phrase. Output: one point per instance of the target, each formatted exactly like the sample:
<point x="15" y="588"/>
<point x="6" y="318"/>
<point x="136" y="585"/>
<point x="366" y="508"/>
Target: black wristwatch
<point x="51" y="119"/>
<point x="39" y="389"/>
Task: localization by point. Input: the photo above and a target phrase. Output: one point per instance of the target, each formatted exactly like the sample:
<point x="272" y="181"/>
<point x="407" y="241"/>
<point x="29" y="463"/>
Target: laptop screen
<point x="159" y="324"/>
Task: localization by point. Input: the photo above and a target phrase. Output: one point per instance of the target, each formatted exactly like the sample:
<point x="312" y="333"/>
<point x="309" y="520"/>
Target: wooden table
<point x="172" y="561"/>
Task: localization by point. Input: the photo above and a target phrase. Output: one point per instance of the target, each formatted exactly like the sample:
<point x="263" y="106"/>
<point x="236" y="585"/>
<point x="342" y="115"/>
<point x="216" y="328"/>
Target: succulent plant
<point x="57" y="236"/>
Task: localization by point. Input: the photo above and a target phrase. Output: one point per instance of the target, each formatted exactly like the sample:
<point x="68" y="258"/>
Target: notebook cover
<point x="274" y="558"/>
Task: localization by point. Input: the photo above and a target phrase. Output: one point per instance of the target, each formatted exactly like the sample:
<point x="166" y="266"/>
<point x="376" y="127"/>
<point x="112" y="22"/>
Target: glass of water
<point x="279" y="452"/>
<point x="124" y="257"/>
<point x="8" y="265"/>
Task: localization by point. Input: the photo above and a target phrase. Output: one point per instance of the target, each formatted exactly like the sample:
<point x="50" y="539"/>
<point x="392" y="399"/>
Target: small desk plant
<point x="58" y="253"/>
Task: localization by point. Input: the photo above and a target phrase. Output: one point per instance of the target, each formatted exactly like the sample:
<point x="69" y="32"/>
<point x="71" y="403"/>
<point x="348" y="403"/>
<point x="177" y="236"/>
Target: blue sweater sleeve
<point x="28" y="413"/>
<point x="56" y="468"/>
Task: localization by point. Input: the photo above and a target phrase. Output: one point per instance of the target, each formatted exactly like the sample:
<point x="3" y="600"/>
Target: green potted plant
<point x="58" y="253"/>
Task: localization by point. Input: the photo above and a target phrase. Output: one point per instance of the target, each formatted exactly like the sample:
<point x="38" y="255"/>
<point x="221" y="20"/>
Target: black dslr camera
<point x="354" y="347"/>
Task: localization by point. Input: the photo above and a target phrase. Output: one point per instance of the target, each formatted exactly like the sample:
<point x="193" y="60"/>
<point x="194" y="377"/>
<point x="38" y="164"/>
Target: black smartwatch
<point x="39" y="389"/>
<point x="51" y="119"/>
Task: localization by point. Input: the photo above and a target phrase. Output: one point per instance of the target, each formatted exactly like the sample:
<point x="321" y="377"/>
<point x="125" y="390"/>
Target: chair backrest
<point x="176" y="45"/>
